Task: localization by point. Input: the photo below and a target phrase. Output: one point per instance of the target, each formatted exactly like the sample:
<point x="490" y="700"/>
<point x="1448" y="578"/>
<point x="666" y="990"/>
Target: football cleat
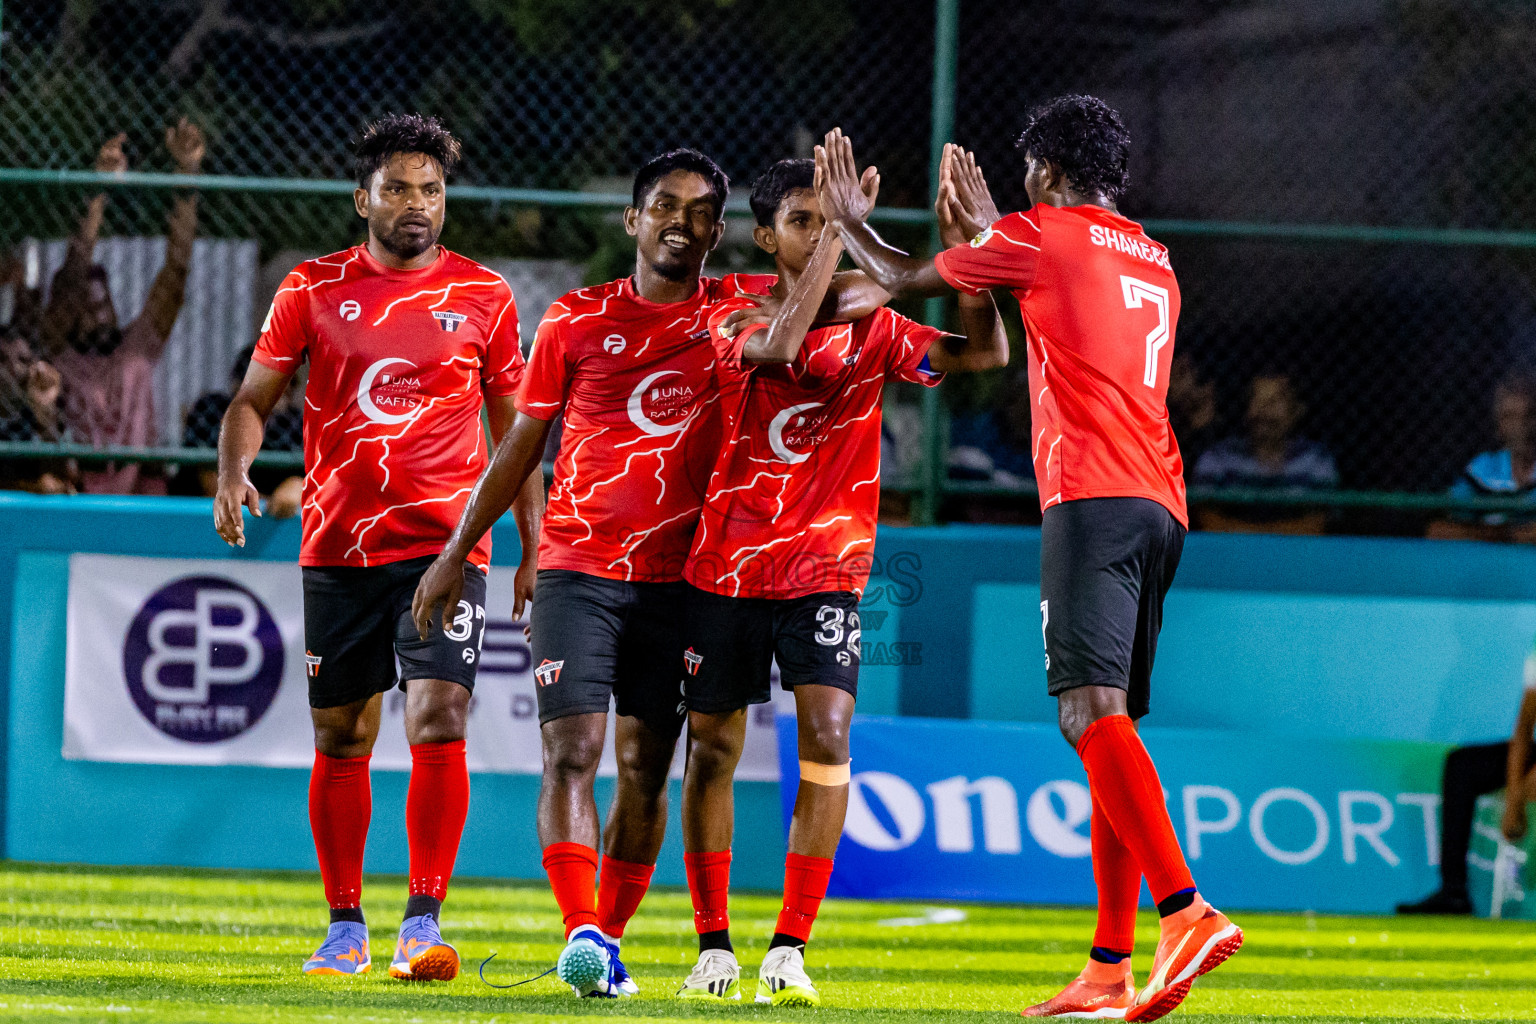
<point x="782" y="980"/>
<point x="344" y="951"/>
<point x="619" y="980"/>
<point x="585" y="965"/>
<point x="1086" y="1000"/>
<point x="1183" y="957"/>
<point x="716" y="976"/>
<point x="421" y="954"/>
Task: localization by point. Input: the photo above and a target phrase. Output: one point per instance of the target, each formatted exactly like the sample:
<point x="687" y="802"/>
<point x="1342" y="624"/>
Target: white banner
<point x="201" y="662"/>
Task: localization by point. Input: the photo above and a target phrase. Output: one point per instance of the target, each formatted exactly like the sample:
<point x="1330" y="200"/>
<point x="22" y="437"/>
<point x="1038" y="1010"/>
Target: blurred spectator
<point x="1510" y="471"/>
<point x="285" y="433"/>
<point x="109" y="368"/>
<point x="993" y="445"/>
<point x="1469" y="773"/>
<point x="29" y="411"/>
<point x="1191" y="410"/>
<point x="1268" y="457"/>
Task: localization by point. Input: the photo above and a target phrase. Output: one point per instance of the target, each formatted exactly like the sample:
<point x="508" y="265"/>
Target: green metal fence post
<point x="946" y="39"/>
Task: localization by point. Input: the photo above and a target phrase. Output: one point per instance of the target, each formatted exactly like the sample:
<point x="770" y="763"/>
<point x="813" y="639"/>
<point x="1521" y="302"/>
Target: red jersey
<point x="795" y="492"/>
<point x="399" y="361"/>
<point x="1100" y="304"/>
<point x="635" y="381"/>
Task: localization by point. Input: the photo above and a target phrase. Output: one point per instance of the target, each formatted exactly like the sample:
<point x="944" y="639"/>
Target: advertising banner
<point x="993" y="811"/>
<point x="202" y="662"/>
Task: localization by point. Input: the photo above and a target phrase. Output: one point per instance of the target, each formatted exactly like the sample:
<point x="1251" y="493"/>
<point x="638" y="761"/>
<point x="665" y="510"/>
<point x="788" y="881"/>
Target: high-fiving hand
<point x="972" y="205"/>
<point x="840" y="189"/>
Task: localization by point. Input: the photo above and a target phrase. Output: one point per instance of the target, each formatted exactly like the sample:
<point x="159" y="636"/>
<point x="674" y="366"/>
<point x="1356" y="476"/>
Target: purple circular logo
<point x="203" y="659"/>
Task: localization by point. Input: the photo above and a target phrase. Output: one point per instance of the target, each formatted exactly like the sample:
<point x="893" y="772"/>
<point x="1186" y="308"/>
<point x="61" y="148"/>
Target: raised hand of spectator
<point x="111" y="159"/>
<point x="187" y="146"/>
<point x="43" y="388"/>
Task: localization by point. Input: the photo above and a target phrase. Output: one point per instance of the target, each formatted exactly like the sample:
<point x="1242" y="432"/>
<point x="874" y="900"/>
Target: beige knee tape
<point x="826" y="774"/>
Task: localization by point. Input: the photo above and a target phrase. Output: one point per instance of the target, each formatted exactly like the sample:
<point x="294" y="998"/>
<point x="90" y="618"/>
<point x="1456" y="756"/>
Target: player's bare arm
<point x="527" y="507"/>
<point x="900" y="274"/>
<point x="1517" y="789"/>
<point x="239" y="441"/>
<point x="516" y="460"/>
<point x="781" y="342"/>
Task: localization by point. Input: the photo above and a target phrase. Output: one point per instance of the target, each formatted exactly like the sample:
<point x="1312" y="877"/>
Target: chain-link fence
<point x="1266" y="133"/>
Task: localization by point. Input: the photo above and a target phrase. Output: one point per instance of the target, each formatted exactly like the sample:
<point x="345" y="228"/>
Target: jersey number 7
<point x="1137" y="292"/>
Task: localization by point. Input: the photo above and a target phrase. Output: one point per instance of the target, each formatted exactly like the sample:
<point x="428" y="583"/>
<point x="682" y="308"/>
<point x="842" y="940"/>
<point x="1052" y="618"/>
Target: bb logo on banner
<point x="203" y="659"/>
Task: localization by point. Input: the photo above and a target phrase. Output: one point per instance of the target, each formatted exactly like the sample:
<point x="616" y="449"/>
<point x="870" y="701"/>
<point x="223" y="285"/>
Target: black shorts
<point x="731" y="643"/>
<point x="1105" y="566"/>
<point x="596" y="639"/>
<point x="357" y="623"/>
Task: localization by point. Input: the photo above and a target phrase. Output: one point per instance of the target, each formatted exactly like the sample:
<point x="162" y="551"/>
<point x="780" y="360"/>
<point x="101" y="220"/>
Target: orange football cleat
<point x="1088" y="1000"/>
<point x="1181" y="958"/>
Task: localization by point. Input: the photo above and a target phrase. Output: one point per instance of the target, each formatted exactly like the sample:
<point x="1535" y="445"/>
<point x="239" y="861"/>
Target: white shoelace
<point x="713" y="963"/>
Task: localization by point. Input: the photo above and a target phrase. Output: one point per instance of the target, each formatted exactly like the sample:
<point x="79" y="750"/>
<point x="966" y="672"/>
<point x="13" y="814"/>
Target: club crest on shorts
<point x="692" y="660"/>
<point x="548" y="672"/>
<point x="449" y="321"/>
<point x="312" y="664"/>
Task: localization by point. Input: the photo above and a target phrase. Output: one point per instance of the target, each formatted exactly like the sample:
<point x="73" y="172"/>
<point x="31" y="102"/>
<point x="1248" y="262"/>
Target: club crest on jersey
<point x="449" y="321"/>
<point x="613" y="344"/>
<point x="312" y="664"/>
<point x="350" y="310"/>
<point x="692" y="659"/>
<point x="981" y="239"/>
<point x="548" y="672"/>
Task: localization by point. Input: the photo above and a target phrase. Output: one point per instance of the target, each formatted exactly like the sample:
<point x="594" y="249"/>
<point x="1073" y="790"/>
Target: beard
<point x="404" y="245"/>
<point x="98" y="341"/>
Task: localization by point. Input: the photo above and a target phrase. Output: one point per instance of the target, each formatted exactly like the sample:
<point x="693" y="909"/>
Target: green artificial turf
<point x="129" y="945"/>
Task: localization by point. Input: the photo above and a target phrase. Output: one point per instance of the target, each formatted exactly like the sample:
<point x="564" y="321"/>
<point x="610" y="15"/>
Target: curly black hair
<point x="394" y="134"/>
<point x="1084" y="137"/>
<point x="778" y="181"/>
<point x="658" y="167"/>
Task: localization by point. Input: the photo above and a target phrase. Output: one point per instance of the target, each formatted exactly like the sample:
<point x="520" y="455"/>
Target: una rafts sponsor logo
<point x="389" y="397"/>
<point x="203" y="659"/>
<point x="660" y="409"/>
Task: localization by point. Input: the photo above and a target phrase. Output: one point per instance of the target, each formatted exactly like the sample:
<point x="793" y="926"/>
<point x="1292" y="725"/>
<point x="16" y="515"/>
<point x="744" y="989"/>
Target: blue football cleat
<point x="344" y="951"/>
<point x="619" y="981"/>
<point x="421" y="954"/>
<point x="585" y="964"/>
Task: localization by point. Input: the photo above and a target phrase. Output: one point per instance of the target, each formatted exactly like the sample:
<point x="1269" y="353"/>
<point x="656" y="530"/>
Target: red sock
<point x="436" y="803"/>
<point x="805" y="885"/>
<point x="1119" y="883"/>
<point x="709" y="883"/>
<point x="620" y="888"/>
<point x="572" y="870"/>
<point x="1126" y="788"/>
<point x="340" y="805"/>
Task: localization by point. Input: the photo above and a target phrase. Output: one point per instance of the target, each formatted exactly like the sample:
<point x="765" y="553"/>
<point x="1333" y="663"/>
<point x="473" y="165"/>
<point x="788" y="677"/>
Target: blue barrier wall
<point x="1325" y="637"/>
